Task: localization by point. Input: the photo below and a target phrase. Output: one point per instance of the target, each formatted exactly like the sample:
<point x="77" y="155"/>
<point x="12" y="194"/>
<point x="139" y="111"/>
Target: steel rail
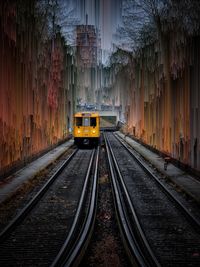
<point x="22" y="214"/>
<point x="136" y="241"/>
<point x="179" y="205"/>
<point x="76" y="242"/>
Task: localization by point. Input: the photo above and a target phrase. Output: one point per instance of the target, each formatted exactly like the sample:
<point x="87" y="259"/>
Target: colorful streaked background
<point x="141" y="57"/>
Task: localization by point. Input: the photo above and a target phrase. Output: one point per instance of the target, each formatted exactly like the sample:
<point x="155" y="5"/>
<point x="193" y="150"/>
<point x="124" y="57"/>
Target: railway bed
<point x="167" y="230"/>
<point x="106" y="247"/>
<point x="36" y="237"/>
<point x="105" y="207"/>
<point x="28" y="189"/>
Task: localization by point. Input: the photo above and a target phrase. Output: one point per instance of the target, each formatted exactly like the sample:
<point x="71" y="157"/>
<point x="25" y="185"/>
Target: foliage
<point x="184" y="14"/>
<point x="121" y="61"/>
<point x="55" y="16"/>
<point x="145" y="20"/>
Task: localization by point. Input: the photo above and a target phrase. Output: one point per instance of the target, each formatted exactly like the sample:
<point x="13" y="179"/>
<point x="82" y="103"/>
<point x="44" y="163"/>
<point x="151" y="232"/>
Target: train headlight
<point x="79" y="131"/>
<point x="93" y="131"/>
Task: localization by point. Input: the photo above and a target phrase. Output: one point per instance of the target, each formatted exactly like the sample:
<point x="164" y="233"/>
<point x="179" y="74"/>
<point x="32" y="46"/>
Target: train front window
<point x="78" y="121"/>
<point x="93" y="122"/>
<point x="86" y="121"/>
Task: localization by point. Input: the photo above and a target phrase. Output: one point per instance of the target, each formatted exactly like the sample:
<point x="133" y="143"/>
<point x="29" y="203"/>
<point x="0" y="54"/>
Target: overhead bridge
<point x="108" y="119"/>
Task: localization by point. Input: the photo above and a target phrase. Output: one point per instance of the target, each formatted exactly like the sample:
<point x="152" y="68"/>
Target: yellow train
<point x="86" y="128"/>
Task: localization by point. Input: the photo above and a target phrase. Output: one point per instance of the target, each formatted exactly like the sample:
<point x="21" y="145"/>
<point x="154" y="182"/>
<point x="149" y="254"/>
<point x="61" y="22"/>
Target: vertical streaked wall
<point x="164" y="109"/>
<point x="36" y="80"/>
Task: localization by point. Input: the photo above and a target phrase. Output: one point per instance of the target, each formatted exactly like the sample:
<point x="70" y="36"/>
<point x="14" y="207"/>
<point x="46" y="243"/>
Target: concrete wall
<point x="164" y="106"/>
<point x="36" y="82"/>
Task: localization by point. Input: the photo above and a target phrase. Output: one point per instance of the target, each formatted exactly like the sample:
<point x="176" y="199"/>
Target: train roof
<point x="86" y="114"/>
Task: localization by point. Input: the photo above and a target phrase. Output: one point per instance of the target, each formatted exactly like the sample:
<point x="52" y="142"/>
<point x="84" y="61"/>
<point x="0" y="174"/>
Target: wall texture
<point x="164" y="107"/>
<point x="36" y="79"/>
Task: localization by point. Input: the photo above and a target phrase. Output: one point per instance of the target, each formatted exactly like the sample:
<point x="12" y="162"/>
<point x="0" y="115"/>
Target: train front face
<point x="86" y="128"/>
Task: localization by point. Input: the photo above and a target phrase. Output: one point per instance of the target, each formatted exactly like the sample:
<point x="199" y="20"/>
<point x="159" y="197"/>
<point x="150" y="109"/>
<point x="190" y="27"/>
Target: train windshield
<point x="86" y="121"/>
<point x="78" y="121"/>
<point x="93" y="122"/>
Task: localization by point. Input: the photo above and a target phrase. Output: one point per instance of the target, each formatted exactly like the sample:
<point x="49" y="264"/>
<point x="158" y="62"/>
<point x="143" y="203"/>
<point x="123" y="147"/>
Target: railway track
<point x="47" y="229"/>
<point x="156" y="228"/>
<point x="56" y="226"/>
